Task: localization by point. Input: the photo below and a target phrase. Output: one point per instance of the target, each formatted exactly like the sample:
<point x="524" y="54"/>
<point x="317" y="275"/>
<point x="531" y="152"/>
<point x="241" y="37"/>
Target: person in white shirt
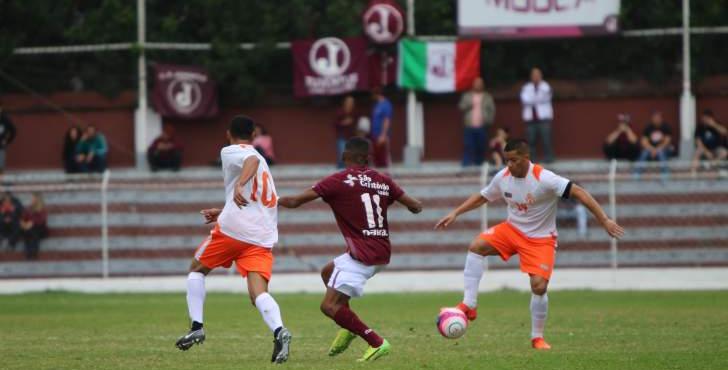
<point x="531" y="193"/>
<point x="538" y="113"/>
<point x="246" y="230"/>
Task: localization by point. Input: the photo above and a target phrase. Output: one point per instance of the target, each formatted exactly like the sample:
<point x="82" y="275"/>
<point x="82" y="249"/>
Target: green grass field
<point x="588" y="330"/>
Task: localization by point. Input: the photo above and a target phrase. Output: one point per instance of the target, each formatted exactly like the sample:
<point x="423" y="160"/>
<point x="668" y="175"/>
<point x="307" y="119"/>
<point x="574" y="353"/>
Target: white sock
<point x="195" y="295"/>
<point x="269" y="310"/>
<point x="471" y="276"/>
<point x="539" y="310"/>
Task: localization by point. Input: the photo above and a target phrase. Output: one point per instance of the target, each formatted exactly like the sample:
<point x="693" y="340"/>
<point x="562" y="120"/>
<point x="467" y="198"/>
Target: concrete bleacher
<point x="154" y="225"/>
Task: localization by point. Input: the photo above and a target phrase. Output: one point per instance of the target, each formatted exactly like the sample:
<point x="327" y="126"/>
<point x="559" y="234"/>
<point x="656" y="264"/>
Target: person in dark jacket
<point x="7" y="135"/>
<point x="70" y="142"/>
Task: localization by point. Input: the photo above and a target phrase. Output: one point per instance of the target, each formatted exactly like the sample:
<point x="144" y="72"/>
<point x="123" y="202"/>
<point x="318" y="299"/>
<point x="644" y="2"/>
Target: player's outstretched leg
<point x="271" y="313"/>
<point x="195" y="303"/>
<point x="336" y="306"/>
<point x="539" y="311"/>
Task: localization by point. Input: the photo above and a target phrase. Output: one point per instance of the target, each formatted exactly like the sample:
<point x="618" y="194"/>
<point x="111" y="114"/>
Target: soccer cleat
<point x="341" y="342"/>
<point x="471" y="313"/>
<point x="540" y="343"/>
<point x="281" y="346"/>
<point x="186" y="341"/>
<point x="372" y="353"/>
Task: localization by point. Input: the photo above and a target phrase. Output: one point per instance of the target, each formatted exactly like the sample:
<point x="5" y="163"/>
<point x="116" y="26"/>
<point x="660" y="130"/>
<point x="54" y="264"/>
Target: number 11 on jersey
<point x="371" y="202"/>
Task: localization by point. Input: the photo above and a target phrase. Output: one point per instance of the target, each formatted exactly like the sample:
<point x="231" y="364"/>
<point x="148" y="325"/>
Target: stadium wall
<point x="303" y="133"/>
<point x="637" y="279"/>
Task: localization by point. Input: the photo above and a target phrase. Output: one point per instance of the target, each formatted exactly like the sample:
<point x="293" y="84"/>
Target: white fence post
<point x="105" y="225"/>
<point x="613" y="210"/>
<point x="485" y="168"/>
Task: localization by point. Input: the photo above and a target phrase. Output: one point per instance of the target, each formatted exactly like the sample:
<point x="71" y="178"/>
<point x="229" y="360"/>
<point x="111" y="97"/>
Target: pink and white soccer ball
<point x="451" y="323"/>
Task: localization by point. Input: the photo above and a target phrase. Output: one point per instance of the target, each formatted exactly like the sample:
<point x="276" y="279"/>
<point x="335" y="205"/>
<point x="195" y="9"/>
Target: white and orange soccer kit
<point x="530" y="230"/>
<point x="244" y="235"/>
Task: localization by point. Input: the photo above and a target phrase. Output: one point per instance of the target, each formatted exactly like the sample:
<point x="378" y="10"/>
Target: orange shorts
<point x="221" y="250"/>
<point x="537" y="254"/>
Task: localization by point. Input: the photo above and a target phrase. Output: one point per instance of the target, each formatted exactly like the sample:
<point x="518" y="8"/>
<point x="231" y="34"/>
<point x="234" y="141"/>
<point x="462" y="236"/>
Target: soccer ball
<point x="451" y="323"/>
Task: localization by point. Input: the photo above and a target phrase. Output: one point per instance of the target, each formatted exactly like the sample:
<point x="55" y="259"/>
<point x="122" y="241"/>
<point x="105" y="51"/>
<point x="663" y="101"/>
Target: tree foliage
<point x="245" y="75"/>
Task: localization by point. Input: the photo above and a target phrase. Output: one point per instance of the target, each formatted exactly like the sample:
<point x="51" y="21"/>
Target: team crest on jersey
<point x="530" y="200"/>
<point x="350" y="180"/>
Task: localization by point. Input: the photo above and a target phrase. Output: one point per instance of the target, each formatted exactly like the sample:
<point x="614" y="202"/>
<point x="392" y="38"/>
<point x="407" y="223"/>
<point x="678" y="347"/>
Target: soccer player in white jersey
<point x="246" y="230"/>
<point x="531" y="194"/>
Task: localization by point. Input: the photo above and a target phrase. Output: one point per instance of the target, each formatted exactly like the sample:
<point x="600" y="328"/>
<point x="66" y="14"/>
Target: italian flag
<point x="438" y="66"/>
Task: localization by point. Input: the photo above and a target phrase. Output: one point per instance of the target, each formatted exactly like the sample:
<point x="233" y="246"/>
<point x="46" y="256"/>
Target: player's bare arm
<point x="210" y="214"/>
<point x="414" y="205"/>
<point x="583" y="196"/>
<point x="475" y="201"/>
<point x="296" y="201"/>
<point x="250" y="168"/>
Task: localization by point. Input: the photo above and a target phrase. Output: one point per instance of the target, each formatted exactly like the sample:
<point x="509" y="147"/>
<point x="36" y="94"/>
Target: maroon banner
<point x="183" y="92"/>
<point x="383" y="21"/>
<point x="329" y="66"/>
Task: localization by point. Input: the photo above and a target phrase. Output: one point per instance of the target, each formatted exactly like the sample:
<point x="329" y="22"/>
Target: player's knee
<point x="539" y="287"/>
<point x="329" y="309"/>
<point x="479" y="247"/>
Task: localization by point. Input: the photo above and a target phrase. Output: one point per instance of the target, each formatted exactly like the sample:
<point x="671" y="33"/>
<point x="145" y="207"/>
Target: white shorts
<point x="350" y="275"/>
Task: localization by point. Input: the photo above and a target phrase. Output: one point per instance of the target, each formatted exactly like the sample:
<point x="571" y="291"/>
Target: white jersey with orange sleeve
<point x="256" y="223"/>
<point x="531" y="200"/>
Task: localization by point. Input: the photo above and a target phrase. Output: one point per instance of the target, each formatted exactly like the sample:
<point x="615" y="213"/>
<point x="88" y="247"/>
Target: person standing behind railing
<point x="7" y="135"/>
<point x="538" y="113"/>
<point x="478" y="113"/>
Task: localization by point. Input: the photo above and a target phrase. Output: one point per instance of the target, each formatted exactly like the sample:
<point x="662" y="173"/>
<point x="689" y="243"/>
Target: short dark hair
<point x="359" y="148"/>
<point x="519" y="145"/>
<point x="242" y="127"/>
<point x="708" y="112"/>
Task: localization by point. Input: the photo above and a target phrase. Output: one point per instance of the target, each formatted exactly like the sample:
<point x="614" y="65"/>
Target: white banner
<point x="506" y="19"/>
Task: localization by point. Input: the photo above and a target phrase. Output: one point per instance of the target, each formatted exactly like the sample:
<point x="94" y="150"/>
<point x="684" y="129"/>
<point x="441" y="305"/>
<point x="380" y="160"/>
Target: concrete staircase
<point x="154" y="225"/>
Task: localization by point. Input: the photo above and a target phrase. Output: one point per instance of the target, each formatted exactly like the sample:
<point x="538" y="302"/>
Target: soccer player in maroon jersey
<point x="359" y="197"/>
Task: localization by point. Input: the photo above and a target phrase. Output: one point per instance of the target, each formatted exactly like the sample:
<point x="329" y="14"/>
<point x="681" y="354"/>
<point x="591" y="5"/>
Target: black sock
<point x="196" y="325"/>
<point x="275" y="332"/>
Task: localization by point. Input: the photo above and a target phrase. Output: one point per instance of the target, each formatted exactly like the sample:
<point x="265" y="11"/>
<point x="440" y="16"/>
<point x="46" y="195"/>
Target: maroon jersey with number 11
<point x="359" y="197"/>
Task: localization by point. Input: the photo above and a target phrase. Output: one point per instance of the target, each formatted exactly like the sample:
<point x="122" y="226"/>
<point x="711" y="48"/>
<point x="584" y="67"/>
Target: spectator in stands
<point x="70" y="142"/>
<point x="381" y="125"/>
<point x="538" y="113"/>
<point x="656" y="144"/>
<point x="345" y="125"/>
<point x="165" y="152"/>
<point x="263" y="143"/>
<point x="497" y="144"/>
<point x="478" y="111"/>
<point x="34" y="226"/>
<point x="10" y="211"/>
<point x="623" y="142"/>
<point x="711" y="140"/>
<point x="91" y="151"/>
<point x="7" y="135"/>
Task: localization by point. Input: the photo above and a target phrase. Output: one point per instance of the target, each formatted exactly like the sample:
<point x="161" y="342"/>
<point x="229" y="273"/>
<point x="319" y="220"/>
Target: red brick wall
<point x="304" y="133"/>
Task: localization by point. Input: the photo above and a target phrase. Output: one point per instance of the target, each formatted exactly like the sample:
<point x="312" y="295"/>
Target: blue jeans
<point x="661" y="156"/>
<point x="474" y="146"/>
<point x="540" y="128"/>
<point x="340" y="145"/>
